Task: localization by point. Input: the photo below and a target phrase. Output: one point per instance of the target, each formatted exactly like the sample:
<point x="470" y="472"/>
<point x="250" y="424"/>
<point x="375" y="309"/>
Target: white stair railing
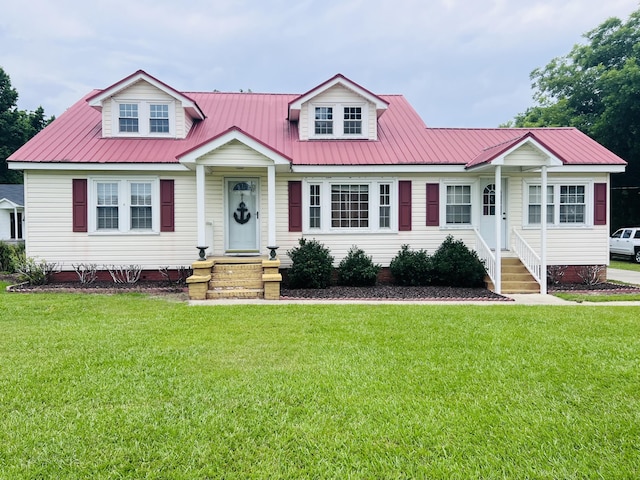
<point x="527" y="256"/>
<point x="485" y="254"/>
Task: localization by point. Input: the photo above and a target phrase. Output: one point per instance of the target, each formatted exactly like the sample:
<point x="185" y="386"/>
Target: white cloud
<point x="460" y="63"/>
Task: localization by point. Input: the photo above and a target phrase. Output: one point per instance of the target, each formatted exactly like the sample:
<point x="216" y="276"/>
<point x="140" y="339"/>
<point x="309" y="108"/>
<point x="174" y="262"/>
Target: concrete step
<point x="235" y="293"/>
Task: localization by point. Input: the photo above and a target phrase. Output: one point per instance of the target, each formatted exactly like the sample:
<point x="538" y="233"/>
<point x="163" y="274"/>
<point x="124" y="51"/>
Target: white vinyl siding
<point x="49" y="225"/>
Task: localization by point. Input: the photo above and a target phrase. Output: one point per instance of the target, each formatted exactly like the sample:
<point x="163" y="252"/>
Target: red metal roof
<point x="403" y="138"/>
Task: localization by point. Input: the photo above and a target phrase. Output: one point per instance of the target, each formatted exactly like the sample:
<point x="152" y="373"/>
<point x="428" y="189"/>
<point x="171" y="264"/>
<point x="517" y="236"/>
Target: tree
<point x="16" y="127"/>
<point x="596" y="88"/>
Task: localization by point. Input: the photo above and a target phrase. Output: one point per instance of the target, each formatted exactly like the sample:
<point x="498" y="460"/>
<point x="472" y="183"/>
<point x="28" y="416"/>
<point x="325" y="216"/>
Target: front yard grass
<point x="127" y="386"/>
<point x="625" y="265"/>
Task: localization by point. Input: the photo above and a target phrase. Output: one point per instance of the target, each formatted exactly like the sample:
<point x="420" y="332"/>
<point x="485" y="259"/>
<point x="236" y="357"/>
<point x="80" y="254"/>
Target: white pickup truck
<point x="626" y="242"/>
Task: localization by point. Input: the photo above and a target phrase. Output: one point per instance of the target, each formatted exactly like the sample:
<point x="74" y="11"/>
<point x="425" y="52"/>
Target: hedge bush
<point x="411" y="267"/>
<point x="357" y="269"/>
<point x="10" y="256"/>
<point x="454" y="264"/>
<point x="312" y="265"/>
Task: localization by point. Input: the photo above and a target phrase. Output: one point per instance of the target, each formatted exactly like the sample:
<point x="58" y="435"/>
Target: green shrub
<point x="36" y="273"/>
<point x="411" y="267"/>
<point x="357" y="269"/>
<point x="312" y="265"/>
<point x="454" y="264"/>
<point x="10" y="256"/>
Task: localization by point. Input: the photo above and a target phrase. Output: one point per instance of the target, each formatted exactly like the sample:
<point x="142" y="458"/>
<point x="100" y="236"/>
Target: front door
<point x="488" y="213"/>
<point x="242" y="206"/>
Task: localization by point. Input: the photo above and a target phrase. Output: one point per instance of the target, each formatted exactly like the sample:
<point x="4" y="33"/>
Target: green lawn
<point x="128" y="386"/>
<point x="625" y="265"/>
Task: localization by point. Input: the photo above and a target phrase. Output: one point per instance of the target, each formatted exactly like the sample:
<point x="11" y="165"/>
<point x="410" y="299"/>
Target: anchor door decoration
<point x="243" y="214"/>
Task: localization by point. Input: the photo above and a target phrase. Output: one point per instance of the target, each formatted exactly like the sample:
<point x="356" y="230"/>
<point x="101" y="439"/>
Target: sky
<point x="460" y="63"/>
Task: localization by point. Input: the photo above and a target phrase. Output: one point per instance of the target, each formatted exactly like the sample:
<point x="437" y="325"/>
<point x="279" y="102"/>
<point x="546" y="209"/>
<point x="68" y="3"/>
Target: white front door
<point x="488" y="213"/>
<point x="242" y="207"/>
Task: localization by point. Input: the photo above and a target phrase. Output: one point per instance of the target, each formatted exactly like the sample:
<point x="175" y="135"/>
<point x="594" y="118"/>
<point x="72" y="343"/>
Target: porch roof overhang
<point x="7" y="204"/>
<point x="501" y="155"/>
<point x="194" y="156"/>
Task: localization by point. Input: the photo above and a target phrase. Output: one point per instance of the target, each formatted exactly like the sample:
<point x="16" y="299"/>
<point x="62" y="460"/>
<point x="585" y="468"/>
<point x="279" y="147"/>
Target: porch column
<point x="200" y="210"/>
<point x="498" y="226"/>
<point x="271" y="194"/>
<point x="543" y="234"/>
<point x="15" y="223"/>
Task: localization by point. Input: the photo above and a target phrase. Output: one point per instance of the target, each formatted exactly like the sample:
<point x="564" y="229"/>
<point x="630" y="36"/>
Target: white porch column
<point x="543" y="233"/>
<point x="498" y="226"/>
<point x="15" y="223"/>
<point x="200" y="207"/>
<point x="271" y="194"/>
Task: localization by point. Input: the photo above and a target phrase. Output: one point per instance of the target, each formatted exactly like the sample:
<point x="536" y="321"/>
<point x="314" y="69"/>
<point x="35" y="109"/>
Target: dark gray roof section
<point x="14" y="193"/>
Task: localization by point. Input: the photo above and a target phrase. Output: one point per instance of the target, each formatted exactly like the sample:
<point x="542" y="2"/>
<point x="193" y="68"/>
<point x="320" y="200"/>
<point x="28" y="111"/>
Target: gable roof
<point x="96" y="99"/>
<point x="296" y="104"/>
<point x="263" y="118"/>
<point x="13" y="193"/>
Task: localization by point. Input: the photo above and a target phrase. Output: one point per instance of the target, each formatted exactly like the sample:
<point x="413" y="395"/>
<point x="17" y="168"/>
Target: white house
<point x="11" y="213"/>
<point x="140" y="173"/>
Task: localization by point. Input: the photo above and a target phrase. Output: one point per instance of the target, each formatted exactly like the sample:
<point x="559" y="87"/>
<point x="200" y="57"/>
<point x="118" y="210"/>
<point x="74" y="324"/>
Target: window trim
<point x="144" y="118"/>
<point x="124" y="205"/>
<point x="338" y="109"/>
<point x="475" y="212"/>
<point x="325" y="185"/>
<point x="556" y="184"/>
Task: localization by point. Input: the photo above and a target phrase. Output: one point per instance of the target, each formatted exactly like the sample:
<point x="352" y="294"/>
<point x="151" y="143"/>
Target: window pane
<point x="350" y="206"/>
<point x="107" y="206"/>
<point x="324" y="121"/>
<point x="458" y="209"/>
<point x="353" y="120"/>
<point x="572" y="205"/>
<point x="159" y="118"/>
<point x="128" y="120"/>
<point x="314" y="206"/>
<point x="535" y="204"/>
<point x="385" y="206"/>
<point x="141" y="212"/>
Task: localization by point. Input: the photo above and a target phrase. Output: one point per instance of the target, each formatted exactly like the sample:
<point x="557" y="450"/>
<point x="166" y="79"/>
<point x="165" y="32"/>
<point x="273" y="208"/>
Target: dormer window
<point x="144" y="118"/>
<point x="352" y="121"/>
<point x="159" y="118"/>
<point x="128" y="120"/>
<point x="337" y="120"/>
<point x="324" y="121"/>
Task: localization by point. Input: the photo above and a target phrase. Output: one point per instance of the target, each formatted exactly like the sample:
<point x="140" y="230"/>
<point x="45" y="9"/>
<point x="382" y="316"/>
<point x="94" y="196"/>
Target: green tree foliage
<point x="16" y="127"/>
<point x="596" y="88"/>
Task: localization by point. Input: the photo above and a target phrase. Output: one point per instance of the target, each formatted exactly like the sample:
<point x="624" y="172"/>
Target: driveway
<point x="626" y="276"/>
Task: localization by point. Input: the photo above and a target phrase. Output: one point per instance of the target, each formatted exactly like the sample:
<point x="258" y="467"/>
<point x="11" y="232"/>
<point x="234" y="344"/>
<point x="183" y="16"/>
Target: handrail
<point x="527" y="256"/>
<point x="486" y="255"/>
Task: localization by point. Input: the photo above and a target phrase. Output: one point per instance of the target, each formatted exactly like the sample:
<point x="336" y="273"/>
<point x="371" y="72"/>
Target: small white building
<point x="11" y="213"/>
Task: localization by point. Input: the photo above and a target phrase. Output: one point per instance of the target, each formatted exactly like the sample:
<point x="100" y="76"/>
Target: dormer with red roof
<point x="143" y="106"/>
<point x="337" y="109"/>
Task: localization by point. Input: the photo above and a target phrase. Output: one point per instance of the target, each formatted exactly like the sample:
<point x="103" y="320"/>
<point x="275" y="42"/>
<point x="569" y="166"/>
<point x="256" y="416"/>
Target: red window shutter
<point x="80" y="204"/>
<point x="600" y="204"/>
<point x="295" y="206"/>
<point x="404" y="205"/>
<point x="433" y="204"/>
<point x="167" y="219"/>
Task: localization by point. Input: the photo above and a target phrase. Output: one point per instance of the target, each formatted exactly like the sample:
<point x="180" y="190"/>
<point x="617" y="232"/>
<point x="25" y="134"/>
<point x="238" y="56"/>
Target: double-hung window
<point x="352" y="121"/>
<point x="125" y="206"/>
<point x="349" y="206"/>
<point x="324" y="121"/>
<point x="143" y="118"/>
<point x="128" y="119"/>
<point x="458" y="205"/>
<point x="159" y="118"/>
<point x="566" y="204"/>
